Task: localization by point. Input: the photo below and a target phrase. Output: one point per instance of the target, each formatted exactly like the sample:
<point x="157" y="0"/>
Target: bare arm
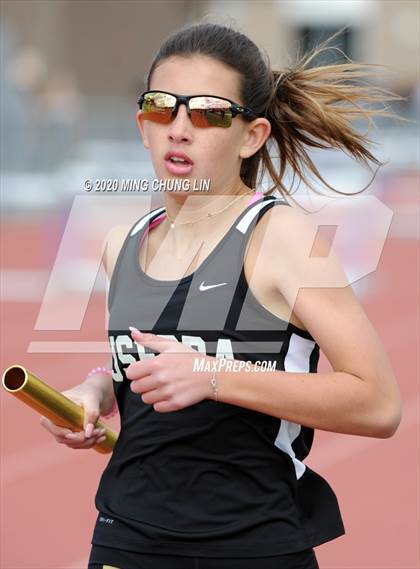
<point x="361" y="396"/>
<point x="110" y="250"/>
<point x="95" y="393"/>
<point x="103" y="382"/>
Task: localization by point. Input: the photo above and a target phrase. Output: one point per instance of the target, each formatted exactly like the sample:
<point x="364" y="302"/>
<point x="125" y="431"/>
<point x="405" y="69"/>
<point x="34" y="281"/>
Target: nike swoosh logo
<point x="207" y="287"/>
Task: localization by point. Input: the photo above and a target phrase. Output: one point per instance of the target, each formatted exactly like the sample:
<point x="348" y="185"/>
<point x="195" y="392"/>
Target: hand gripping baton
<point x="46" y="400"/>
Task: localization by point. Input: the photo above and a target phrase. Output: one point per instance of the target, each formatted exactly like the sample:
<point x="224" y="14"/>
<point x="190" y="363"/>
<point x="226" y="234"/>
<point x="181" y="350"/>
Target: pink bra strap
<point x="255" y="197"/>
<point x="156" y="221"/>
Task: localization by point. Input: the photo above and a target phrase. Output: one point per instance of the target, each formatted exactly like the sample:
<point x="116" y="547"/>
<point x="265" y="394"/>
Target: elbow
<point x="391" y="426"/>
<point x="383" y="411"/>
<point x="389" y="420"/>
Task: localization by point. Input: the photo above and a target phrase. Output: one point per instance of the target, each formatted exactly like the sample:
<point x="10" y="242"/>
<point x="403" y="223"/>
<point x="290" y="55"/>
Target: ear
<point x="140" y="124"/>
<point x="256" y="133"/>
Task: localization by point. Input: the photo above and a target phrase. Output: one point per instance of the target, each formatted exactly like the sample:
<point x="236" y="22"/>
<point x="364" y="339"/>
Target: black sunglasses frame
<point x="235" y="109"/>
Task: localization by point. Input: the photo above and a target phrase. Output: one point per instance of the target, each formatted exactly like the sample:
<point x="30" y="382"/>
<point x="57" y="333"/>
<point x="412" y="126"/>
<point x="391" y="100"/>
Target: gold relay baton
<point x="64" y="412"/>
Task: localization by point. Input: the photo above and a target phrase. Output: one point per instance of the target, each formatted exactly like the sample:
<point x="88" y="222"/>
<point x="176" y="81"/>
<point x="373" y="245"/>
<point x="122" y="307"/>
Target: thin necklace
<point x="207" y="214"/>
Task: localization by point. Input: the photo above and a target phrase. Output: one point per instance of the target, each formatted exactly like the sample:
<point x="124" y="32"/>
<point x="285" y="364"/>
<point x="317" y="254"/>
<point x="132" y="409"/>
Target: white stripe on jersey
<point x="297" y="360"/>
<point x="145" y="220"/>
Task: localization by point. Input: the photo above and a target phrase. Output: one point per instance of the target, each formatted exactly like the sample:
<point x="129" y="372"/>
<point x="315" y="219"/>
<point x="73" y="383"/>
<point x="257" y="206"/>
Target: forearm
<point x="335" y="401"/>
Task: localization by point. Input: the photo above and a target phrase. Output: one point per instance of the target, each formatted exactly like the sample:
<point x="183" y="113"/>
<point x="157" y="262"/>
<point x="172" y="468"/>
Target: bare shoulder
<point x="307" y="270"/>
<point x="290" y="232"/>
<point x="285" y="229"/>
<point x="299" y="258"/>
<point x="283" y="217"/>
<point x="111" y="246"/>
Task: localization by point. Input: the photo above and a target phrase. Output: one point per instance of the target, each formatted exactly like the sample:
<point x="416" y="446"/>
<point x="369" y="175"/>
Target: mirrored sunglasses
<point x="203" y="110"/>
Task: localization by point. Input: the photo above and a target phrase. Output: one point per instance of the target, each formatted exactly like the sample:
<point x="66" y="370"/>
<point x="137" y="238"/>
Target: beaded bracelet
<point x="99" y="370"/>
<point x="107" y="371"/>
<point x="213" y="382"/>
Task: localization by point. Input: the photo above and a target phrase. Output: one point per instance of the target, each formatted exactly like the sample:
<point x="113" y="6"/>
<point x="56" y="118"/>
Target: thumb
<point x="91" y="414"/>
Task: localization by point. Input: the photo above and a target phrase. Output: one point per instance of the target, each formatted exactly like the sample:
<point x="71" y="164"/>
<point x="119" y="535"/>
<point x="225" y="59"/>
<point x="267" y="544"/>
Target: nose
<point x="181" y="127"/>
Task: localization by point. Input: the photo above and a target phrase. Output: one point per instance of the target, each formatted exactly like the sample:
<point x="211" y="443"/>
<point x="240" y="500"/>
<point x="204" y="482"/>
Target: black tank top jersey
<point x="212" y="479"/>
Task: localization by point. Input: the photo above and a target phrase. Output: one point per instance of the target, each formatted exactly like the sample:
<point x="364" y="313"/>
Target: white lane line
<point x="20" y="285"/>
<point x="30" y="285"/>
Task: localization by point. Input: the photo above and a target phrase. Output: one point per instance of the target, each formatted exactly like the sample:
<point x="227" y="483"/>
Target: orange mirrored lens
<point x="210" y="118"/>
<point x="210" y="111"/>
<point x="162" y="116"/>
<point x="204" y="111"/>
<point x="158" y="107"/>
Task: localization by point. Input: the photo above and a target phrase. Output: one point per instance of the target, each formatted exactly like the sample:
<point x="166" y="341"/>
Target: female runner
<point x="208" y="469"/>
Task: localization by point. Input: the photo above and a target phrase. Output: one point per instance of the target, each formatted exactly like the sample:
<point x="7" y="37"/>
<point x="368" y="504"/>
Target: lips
<point x="175" y="154"/>
<point x="176" y="166"/>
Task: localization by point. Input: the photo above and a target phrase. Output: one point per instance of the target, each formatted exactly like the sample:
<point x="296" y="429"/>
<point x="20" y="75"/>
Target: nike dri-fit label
<point x="211" y="479"/>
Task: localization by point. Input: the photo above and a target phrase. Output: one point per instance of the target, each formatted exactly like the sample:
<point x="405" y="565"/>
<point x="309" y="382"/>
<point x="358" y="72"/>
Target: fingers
<point x="53" y="428"/>
<point x="143" y="384"/>
<point x="153" y="341"/>
<point x="63" y="435"/>
<point x="90" y="404"/>
<point x="80" y="441"/>
<point x="140" y="369"/>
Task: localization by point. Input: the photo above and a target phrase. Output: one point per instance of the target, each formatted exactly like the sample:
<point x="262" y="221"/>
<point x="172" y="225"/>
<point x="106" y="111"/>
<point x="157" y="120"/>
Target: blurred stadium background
<point x="70" y="75"/>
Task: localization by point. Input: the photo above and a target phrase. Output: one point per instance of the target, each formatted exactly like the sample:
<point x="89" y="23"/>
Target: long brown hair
<point x="307" y="106"/>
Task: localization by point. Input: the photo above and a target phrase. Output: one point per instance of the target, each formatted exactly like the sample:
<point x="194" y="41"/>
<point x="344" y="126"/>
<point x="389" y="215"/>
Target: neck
<point x="188" y="206"/>
<point x="194" y="207"/>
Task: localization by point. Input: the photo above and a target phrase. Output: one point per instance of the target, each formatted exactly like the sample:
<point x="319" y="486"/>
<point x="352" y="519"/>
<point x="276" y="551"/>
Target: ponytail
<point x="314" y="107"/>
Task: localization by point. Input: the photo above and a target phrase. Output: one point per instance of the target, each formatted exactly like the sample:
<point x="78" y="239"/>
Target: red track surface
<point x="47" y="494"/>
